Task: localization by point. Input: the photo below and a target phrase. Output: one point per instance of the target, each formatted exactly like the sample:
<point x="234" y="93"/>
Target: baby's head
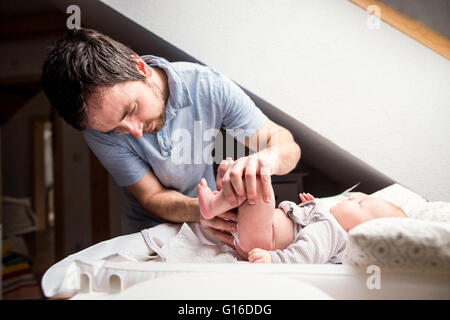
<point x="359" y="208"/>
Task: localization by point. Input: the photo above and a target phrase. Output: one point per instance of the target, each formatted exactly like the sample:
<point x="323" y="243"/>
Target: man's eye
<point x="133" y="111"/>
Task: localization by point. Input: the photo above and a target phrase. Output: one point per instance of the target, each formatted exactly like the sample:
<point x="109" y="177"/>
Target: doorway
<point x="43" y="250"/>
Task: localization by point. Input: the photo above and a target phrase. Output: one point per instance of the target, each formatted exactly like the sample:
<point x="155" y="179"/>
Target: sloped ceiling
<point x="20" y="23"/>
<point x="313" y="65"/>
<point x="358" y="93"/>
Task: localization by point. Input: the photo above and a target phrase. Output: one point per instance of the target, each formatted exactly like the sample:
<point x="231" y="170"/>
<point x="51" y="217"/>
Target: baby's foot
<point x="205" y="199"/>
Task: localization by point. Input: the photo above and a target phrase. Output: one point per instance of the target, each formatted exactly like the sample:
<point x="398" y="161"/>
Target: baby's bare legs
<point x="260" y="225"/>
<point x="255" y="222"/>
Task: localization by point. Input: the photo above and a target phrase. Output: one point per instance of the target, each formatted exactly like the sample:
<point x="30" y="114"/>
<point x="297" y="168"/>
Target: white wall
<point x="378" y="94"/>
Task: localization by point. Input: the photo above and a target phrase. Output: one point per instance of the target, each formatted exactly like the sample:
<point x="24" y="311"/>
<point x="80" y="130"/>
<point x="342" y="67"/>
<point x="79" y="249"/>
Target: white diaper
<point x="236" y="238"/>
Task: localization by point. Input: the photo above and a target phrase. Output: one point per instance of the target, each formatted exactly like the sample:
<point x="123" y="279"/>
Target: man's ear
<point x="143" y="67"/>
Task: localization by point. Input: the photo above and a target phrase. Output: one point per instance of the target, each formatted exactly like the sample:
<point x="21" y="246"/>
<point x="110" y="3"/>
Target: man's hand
<point x="259" y="256"/>
<point x="230" y="177"/>
<point x="221" y="226"/>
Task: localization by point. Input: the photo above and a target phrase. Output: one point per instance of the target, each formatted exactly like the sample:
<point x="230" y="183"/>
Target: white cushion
<point x="420" y="241"/>
<point x="406" y="199"/>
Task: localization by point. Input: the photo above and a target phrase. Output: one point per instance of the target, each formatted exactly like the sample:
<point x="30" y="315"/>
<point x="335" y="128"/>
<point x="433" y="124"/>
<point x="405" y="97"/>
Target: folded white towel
<point x="165" y="242"/>
<point x="190" y="244"/>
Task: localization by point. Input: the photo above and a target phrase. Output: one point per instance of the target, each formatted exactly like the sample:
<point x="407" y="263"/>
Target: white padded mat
<point x="141" y="262"/>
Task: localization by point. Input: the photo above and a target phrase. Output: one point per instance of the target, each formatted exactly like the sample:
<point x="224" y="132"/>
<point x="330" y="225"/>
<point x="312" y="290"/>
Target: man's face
<point x="132" y="107"/>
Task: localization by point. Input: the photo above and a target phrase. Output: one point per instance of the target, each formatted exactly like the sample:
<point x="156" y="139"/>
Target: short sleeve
<point x="238" y="110"/>
<point x="119" y="160"/>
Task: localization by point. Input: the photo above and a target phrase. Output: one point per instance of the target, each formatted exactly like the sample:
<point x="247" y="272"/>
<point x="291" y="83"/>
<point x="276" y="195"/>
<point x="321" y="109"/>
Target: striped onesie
<point x="318" y="237"/>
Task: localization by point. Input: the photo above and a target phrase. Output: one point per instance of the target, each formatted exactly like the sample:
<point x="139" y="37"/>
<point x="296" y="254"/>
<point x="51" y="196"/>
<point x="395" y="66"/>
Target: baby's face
<point x="358" y="209"/>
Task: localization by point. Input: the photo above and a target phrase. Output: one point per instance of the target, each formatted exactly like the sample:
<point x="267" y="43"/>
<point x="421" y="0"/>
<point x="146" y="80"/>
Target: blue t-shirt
<point x="201" y="102"/>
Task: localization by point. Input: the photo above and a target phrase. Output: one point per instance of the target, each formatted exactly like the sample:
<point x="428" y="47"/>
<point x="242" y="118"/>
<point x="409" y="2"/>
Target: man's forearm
<point x="284" y="150"/>
<point x="173" y="206"/>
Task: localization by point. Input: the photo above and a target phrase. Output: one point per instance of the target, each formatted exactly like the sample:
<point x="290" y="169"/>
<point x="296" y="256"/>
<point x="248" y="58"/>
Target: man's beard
<point x="159" y="123"/>
<point x="161" y="119"/>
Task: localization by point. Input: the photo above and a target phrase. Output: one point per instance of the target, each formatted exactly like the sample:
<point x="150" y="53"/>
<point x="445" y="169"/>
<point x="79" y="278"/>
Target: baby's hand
<point x="259" y="256"/>
<point x="357" y="196"/>
<point x="305" y="197"/>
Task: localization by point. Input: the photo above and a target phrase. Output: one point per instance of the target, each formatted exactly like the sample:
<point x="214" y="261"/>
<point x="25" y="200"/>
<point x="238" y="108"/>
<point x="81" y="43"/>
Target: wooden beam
<point x="28" y="26"/>
<point x="58" y="166"/>
<point x="39" y="187"/>
<point x="12" y="99"/>
<point x="28" y="79"/>
<point x="409" y="26"/>
<point x="1" y="190"/>
<point x="15" y="96"/>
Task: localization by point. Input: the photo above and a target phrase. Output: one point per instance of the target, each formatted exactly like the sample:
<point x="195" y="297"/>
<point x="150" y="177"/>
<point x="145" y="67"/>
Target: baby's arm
<point x="311" y="246"/>
<point x="305" y="197"/>
<point x="259" y="256"/>
<point x="357" y="195"/>
<point x="317" y="242"/>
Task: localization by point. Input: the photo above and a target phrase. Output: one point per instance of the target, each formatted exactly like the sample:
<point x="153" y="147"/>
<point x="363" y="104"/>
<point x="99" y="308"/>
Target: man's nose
<point x="135" y="128"/>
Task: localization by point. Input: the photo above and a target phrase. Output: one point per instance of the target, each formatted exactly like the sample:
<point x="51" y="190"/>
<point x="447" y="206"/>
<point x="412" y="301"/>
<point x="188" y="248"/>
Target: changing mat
<point x="166" y="242"/>
<point x="134" y="258"/>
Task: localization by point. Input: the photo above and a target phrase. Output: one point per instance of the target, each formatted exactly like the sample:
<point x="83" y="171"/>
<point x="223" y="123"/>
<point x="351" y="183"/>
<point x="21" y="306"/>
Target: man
<point x="133" y="110"/>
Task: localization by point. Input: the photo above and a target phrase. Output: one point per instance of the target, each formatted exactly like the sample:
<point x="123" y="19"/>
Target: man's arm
<point x="281" y="147"/>
<point x="176" y="207"/>
<point x="277" y="153"/>
<point x="167" y="204"/>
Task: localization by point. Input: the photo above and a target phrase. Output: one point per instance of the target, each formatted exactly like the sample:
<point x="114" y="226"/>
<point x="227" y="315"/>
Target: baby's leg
<point x="262" y="226"/>
<point x="283" y="230"/>
<point x="255" y="222"/>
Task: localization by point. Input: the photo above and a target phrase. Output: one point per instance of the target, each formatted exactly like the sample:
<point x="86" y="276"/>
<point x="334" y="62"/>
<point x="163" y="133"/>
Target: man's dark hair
<point x="80" y="63"/>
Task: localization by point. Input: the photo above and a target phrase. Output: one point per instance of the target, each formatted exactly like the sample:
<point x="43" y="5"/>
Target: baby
<point x="306" y="233"/>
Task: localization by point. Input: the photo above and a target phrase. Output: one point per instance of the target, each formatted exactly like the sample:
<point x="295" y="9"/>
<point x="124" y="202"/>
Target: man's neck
<point x="160" y="78"/>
